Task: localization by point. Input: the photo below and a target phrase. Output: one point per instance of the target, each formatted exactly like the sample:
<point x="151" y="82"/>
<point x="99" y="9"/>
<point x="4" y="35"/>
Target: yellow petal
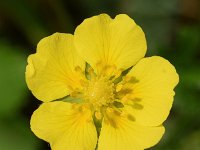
<point x="50" y="73"/>
<point x="107" y="43"/>
<point x="65" y="126"/>
<point x="152" y="90"/>
<point x="127" y="135"/>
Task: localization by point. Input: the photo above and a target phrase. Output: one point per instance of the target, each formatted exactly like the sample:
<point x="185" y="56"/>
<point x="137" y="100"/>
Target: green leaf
<point x="70" y="99"/>
<point x="16" y="135"/>
<point x="191" y="142"/>
<point x="22" y="13"/>
<point x="12" y="83"/>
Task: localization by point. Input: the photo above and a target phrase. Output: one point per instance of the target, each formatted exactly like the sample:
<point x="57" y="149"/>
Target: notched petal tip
<point x="56" y="37"/>
<point x="30" y="69"/>
<point x="51" y="70"/>
<point x="115" y="42"/>
<point x="126" y="17"/>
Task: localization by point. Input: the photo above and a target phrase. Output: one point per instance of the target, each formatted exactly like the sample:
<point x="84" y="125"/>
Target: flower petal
<point x="50" y="73"/>
<point x="127" y="135"/>
<point x="152" y="90"/>
<point x="65" y="126"/>
<point x="106" y="43"/>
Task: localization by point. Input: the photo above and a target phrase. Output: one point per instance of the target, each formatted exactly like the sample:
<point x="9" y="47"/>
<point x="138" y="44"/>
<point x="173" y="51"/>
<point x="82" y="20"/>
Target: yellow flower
<point x="92" y="97"/>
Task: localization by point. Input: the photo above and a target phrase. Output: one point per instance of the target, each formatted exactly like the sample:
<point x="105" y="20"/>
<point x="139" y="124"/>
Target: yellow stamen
<point x="99" y="91"/>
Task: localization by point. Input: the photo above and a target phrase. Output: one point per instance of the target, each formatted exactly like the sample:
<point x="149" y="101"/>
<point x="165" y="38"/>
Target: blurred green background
<point x="172" y="30"/>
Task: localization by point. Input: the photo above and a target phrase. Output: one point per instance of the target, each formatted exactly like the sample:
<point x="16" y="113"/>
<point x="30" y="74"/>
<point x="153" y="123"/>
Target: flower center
<point x="99" y="91"/>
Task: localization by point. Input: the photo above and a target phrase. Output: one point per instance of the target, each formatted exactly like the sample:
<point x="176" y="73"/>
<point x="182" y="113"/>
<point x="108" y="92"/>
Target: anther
<point x="117" y="75"/>
<point x="78" y="69"/>
<point x="98" y="115"/>
<point x="91" y="73"/>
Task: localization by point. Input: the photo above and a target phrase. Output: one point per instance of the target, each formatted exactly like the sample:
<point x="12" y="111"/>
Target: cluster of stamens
<point x="103" y="95"/>
<point x="99" y="91"/>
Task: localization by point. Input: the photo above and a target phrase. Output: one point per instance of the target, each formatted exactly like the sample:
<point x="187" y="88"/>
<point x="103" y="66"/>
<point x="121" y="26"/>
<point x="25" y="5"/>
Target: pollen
<point x="99" y="91"/>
